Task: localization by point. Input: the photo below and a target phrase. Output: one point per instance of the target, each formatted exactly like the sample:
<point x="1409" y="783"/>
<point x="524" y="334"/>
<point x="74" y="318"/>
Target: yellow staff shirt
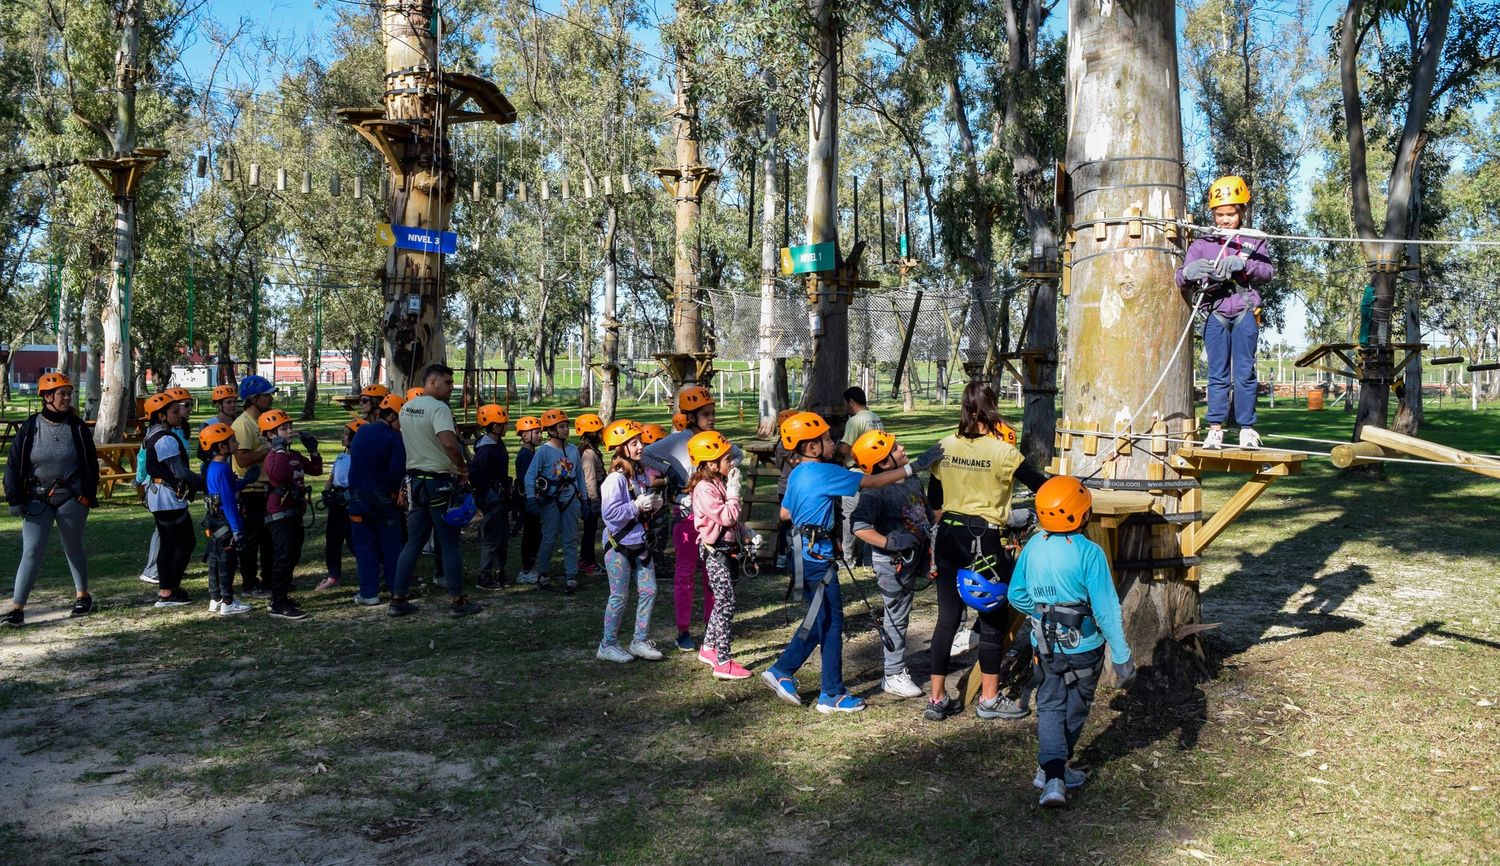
<point x="977" y="476"/>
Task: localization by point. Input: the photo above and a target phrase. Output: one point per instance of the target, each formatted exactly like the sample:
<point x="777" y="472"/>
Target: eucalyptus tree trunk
<point x="357" y="364"/>
<point x="828" y="374"/>
<point x="609" y="391"/>
<point x="687" y="325"/>
<point x="773" y="391"/>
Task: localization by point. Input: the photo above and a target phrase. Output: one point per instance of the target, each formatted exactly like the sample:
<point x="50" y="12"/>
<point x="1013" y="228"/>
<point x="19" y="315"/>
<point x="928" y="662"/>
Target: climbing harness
<point x="1063" y="625"/>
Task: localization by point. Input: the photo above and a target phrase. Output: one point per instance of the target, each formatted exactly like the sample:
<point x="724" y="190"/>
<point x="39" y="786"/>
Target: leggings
<point x="721" y="574"/>
<point x="177" y="542"/>
<point x="955" y="550"/>
<point x="336" y="537"/>
<point x="620" y="565"/>
<point x="35" y="529"/>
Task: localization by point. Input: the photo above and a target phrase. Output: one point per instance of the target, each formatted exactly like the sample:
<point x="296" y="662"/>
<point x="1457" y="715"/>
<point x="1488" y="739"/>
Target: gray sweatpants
<point x="70" y="518"/>
<point x="150" y="569"/>
<point x="897" y="589"/>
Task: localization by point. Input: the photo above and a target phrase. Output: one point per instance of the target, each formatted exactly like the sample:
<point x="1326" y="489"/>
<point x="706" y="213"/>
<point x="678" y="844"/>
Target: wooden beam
<point x="1355" y="453"/>
<point x="1430" y="451"/>
<point x="1203" y="536"/>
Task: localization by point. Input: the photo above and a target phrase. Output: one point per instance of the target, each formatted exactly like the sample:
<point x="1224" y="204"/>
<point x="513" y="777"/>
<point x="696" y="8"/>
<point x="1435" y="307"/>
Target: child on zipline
<point x="627" y="504"/>
<point x="222" y="524"/>
<point x="1062" y="583"/>
<point x="723" y="541"/>
<point x="336" y="534"/>
<point x="1222" y="266"/>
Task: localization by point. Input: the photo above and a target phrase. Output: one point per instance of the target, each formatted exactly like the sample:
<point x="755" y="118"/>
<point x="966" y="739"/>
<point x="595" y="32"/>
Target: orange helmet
<point x="1230" y="189"/>
<point x="693" y="397"/>
<point x="213" y="434"/>
<point x="414" y="393"/>
<point x="1006" y="433"/>
<point x="224" y="392"/>
<point x="157" y="402"/>
<point x="492" y="413"/>
<point x="376" y="390"/>
<point x="272" y="419"/>
<point x="801" y="427"/>
<point x="783" y="415"/>
<point x="620" y="431"/>
<point x="52" y="381"/>
<point x="392" y="403"/>
<point x="553" y="417"/>
<point x="706" y="446"/>
<point x="179" y="395"/>
<point x="588" y="422"/>
<point x="527" y="422"/>
<point x="679" y="422"/>
<point x="873" y="447"/>
<point x="652" y="433"/>
<point x="1062" y="504"/>
<point x="353" y="426"/>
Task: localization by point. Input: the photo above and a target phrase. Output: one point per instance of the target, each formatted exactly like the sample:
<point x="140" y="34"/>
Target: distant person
<point x="52" y="477"/>
<point x="861" y="421"/>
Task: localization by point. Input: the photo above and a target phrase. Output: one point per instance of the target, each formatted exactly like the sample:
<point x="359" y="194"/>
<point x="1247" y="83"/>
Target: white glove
<point x="647" y="502"/>
<point x="732" y="483"/>
<point x="755" y="541"/>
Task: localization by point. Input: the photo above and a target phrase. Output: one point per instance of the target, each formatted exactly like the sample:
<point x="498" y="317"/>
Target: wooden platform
<point x="1353" y="366"/>
<point x="1263" y="467"/>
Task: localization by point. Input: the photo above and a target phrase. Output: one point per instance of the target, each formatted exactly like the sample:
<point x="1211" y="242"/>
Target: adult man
<point x="436" y="473"/>
<point x="256" y="395"/>
<point x="861" y="421"/>
<point x="377" y="466"/>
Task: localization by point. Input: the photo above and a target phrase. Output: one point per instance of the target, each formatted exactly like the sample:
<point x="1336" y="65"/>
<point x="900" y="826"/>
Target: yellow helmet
<point x="620" y="431"/>
<point x="1229" y="189"/>
<point x="706" y="446"/>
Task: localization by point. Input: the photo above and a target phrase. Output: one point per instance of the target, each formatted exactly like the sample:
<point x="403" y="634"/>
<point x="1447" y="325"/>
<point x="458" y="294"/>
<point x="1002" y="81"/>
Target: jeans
<point x="827" y="630"/>
<point x="557" y="520"/>
<point x="1061" y="709"/>
<point x="336" y="537"/>
<point x="620" y="565"/>
<point x="954" y="550"/>
<point x="1231" y="359"/>
<point x="897" y="587"/>
<point x="178" y="539"/>
<point x="425" y="517"/>
<point x="687" y="566"/>
<point x="375" y="526"/>
<point x="223" y="561"/>
<point x="70" y="517"/>
<point x="286" y="537"/>
<point x="494" y="538"/>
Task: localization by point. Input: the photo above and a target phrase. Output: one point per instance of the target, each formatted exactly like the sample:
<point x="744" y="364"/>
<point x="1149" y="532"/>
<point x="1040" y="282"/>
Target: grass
<point x="1349" y="717"/>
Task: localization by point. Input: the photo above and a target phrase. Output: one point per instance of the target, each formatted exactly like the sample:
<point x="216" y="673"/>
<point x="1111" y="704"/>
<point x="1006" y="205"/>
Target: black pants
<point x="177" y="542"/>
<point x="531" y="540"/>
<point x="286" y="543"/>
<point x="590" y="534"/>
<point x="955" y="550"/>
<point x="257" y="555"/>
<point x="337" y="537"/>
<point x="223" y="560"/>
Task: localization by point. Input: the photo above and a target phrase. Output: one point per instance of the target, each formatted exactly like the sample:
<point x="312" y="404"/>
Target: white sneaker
<point x="230" y="608"/>
<point x="1214" y="439"/>
<point x="366" y="602"/>
<point x="1054" y="794"/>
<point x="612" y="653"/>
<point x="1249" y="438"/>
<point x="146" y="578"/>
<point x="213" y="606"/>
<point x="964" y="641"/>
<point x="527" y="578"/>
<point x="1071" y="778"/>
<point x="900" y="685"/>
<point x="645" y="649"/>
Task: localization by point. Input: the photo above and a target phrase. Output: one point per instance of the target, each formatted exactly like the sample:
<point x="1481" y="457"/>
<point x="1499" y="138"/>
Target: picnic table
<point x="8" y="428"/>
<point x="116" y="465"/>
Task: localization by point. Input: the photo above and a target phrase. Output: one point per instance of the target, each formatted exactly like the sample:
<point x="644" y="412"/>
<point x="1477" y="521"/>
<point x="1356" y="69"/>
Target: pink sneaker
<point x="328" y="583"/>
<point x="731" y="670"/>
<point x="708" y="656"/>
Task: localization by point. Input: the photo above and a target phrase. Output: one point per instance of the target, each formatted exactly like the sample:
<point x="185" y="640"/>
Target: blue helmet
<point x="254" y="386"/>
<point x="459" y="514"/>
<point x="981" y="592"/>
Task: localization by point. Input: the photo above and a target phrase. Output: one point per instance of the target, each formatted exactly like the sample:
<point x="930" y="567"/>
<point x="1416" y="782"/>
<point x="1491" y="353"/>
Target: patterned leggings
<point x="721" y="573"/>
<point x="619" y="566"/>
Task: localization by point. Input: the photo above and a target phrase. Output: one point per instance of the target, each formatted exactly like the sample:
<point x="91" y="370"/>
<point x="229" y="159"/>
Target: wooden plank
<point x="1354" y="453"/>
<point x="1122" y="438"/>
<point x="1430" y="451"/>
<point x="1159" y="438"/>
<point x="1090" y="440"/>
<point x="1248" y="493"/>
<point x="1067" y="438"/>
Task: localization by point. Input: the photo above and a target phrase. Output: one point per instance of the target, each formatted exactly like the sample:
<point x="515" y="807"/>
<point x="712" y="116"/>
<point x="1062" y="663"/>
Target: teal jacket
<point x="1070" y="569"/>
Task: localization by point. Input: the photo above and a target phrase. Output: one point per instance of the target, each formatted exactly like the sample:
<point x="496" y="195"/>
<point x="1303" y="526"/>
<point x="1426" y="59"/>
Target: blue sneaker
<point x="844" y="703"/>
<point x="685" y="642"/>
<point x="784" y="687"/>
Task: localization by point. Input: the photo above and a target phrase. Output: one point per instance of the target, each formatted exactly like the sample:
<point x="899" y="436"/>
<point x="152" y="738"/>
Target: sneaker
<point x="15" y="619"/>
<point x="328" y="582"/>
<point x="685" y="642"/>
<point x="366" y="602"/>
<point x="527" y="578"/>
<point x="178" y="598"/>
<point x="1249" y="439"/>
<point x="1071" y="778"/>
<point x="784" y="687"/>
<point x="1214" y="439"/>
<point x="570" y="585"/>
<point x="260" y="592"/>
<point x="900" y="685"/>
<point x="611" y="652"/>
<point x="964" y="641"/>
<point x="845" y="703"/>
<point x="149" y="578"/>
<point x="937" y="711"/>
<point x="213" y="605"/>
<point x="1000" y="708"/>
<point x="709" y="656"/>
<point x="1054" y="795"/>
<point x="400" y="607"/>
<point x="230" y="608"/>
<point x="543" y="582"/>
<point x="461" y="606"/>
<point x="288" y="610"/>
<point x="645" y="649"/>
<point x="82" y="606"/>
<point x="489" y="583"/>
<point x="731" y="670"/>
<point x="589" y="569"/>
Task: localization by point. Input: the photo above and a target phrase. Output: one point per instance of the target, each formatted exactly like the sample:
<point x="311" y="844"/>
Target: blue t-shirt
<point x="221" y="482"/>
<point x="812" y="491"/>
<point x="1068" y="569"/>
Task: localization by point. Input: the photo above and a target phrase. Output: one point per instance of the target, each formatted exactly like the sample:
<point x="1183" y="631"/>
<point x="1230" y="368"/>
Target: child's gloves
<point x="1021" y="518"/>
<point x="647" y="502"/>
<point x="1197" y="269"/>
<point x="899" y="540"/>
<point x="755" y="542"/>
<point x="924" y="460"/>
<point x="309" y="441"/>
<point x="732" y="483"/>
<point x="1228" y="267"/>
<point x="1124" y="675"/>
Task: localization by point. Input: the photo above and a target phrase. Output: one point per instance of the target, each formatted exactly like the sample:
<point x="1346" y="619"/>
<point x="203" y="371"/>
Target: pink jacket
<point x="714" y="516"/>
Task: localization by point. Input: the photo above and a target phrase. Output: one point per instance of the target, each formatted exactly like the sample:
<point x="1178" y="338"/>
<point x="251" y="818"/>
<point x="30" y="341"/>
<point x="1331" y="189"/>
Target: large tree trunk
<point x="977" y="346"/>
<point x="312" y="361"/>
<point x="687" y="327"/>
<point x="828" y="375"/>
<point x="609" y="394"/>
<point x="1125" y="313"/>
<point x="357" y="364"/>
<point x="773" y="396"/>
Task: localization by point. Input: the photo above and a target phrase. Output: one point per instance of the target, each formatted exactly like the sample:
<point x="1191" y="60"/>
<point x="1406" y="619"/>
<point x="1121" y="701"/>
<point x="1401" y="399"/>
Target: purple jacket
<point x="617" y="506"/>
<point x="1225" y="298"/>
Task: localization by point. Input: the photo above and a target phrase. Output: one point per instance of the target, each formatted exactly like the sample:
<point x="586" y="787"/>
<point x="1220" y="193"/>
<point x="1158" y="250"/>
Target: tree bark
<point x="828" y="375"/>
<point x="609" y="393"/>
<point x="312" y="361"/>
<point x="773" y="396"/>
<point x="687" y="326"/>
<point x="357" y="363"/>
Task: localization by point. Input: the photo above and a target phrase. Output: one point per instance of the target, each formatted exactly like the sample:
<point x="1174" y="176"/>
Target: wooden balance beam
<point x="1376" y="442"/>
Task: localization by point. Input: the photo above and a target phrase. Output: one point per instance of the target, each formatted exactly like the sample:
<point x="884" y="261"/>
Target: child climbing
<point x="723" y="541"/>
<point x="1062" y="583"/>
<point x="626" y="505"/>
<point x="555" y="494"/>
<point x="1223" y="266"/>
